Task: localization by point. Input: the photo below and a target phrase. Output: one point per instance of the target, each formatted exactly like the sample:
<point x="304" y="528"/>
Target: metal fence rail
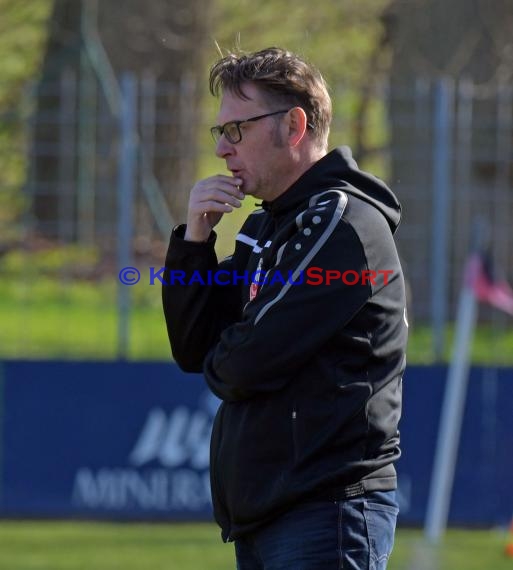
<point x="451" y="165"/>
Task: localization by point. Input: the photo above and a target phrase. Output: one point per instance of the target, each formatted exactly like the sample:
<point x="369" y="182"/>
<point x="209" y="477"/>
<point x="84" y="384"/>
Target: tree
<point x="21" y="36"/>
<point x="90" y="44"/>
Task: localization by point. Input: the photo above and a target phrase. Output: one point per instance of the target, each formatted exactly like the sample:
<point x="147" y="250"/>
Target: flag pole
<point x="442" y="477"/>
<point x="451" y="419"/>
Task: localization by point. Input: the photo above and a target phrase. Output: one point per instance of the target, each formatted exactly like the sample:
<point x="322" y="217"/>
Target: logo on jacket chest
<point x="257" y="280"/>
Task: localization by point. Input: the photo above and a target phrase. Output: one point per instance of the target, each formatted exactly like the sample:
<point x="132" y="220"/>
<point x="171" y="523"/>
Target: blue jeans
<point x="355" y="534"/>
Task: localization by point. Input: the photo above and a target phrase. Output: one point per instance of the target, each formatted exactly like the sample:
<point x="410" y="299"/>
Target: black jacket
<point x="309" y="375"/>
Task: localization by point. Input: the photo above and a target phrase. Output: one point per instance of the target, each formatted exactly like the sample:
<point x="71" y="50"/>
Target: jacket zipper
<point x="294" y="432"/>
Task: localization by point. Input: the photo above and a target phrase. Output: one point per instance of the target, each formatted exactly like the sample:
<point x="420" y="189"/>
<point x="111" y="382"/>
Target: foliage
<point x="53" y="262"/>
<point x="22" y="36"/>
<point x="338" y="37"/>
<point x="23" y="32"/>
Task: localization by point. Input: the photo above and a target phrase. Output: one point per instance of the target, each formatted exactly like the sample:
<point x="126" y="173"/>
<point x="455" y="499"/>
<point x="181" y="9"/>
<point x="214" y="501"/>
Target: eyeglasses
<point x="231" y="129"/>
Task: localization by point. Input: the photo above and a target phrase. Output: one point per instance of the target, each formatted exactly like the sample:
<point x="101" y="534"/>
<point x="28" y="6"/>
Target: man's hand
<point x="209" y="200"/>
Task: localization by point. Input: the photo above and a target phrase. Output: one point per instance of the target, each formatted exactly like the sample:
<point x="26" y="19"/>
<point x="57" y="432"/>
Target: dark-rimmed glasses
<point x="231" y="129"/>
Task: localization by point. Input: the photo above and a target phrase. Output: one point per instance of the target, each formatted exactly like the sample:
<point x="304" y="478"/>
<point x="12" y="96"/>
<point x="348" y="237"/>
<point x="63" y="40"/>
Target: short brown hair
<point x="281" y="75"/>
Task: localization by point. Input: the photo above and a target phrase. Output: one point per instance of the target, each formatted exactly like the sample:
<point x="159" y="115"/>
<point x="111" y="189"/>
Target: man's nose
<point x="224" y="148"/>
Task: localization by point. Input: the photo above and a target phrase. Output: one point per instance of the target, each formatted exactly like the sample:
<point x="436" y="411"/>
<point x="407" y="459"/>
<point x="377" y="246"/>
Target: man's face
<point x="261" y="158"/>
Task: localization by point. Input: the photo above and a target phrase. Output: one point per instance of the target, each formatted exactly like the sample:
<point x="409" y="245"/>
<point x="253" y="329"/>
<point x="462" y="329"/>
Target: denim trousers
<point x="353" y="534"/>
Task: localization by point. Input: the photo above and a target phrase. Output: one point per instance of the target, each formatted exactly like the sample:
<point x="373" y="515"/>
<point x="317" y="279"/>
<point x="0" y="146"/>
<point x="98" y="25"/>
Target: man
<point x="301" y="332"/>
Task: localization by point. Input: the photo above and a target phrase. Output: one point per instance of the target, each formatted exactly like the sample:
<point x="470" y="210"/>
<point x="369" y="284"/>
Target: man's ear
<point x="297" y="125"/>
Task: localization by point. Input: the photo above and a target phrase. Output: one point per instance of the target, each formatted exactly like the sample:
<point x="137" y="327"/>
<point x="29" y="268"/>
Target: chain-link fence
<point x="93" y="186"/>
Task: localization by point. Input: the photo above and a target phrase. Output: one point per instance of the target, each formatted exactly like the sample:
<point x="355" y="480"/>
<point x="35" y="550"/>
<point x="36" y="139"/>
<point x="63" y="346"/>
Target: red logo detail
<point x="256" y="282"/>
<point x="253" y="290"/>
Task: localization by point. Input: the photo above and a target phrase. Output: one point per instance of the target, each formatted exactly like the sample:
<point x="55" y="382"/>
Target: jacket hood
<point x="339" y="170"/>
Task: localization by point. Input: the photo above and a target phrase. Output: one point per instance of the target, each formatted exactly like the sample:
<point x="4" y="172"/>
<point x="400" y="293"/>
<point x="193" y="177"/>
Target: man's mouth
<point x="237" y="174"/>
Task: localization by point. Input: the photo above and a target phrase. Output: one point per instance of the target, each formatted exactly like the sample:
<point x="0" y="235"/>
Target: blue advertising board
<point x="483" y="490"/>
<point x="105" y="439"/>
<point x="131" y="441"/>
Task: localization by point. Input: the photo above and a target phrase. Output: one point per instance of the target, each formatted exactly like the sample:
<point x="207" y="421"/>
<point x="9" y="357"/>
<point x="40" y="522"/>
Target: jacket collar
<point x="308" y="184"/>
<point x="338" y="169"/>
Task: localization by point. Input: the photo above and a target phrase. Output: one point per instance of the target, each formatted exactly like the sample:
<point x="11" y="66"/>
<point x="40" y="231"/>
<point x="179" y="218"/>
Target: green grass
<point x="459" y="550"/>
<point x="48" y="318"/>
<point x="108" y="546"/>
<point x="103" y="546"/>
<point x="51" y="319"/>
<point x="491" y="345"/>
